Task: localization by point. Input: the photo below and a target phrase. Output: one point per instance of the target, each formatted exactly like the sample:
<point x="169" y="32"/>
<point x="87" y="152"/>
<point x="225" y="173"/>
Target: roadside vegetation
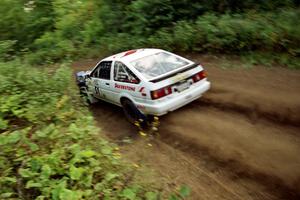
<point x="261" y="31"/>
<point x="49" y="146"/>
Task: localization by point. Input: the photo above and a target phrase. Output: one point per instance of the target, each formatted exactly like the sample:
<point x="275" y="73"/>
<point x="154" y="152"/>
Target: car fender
<point x="126" y="95"/>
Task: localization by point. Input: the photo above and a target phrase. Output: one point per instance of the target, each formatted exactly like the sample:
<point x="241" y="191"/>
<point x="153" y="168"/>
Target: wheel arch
<point x="126" y="96"/>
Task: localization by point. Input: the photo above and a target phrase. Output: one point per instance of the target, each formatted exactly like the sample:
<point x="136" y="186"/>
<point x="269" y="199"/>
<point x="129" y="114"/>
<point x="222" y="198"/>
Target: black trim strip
<point x="174" y="74"/>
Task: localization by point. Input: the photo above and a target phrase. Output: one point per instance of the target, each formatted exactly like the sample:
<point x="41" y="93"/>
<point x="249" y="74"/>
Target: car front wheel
<point x="87" y="96"/>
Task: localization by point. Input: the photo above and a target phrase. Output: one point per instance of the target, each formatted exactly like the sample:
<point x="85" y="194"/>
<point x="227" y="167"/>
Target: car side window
<point x="123" y="74"/>
<point x="103" y="70"/>
<point x="95" y="72"/>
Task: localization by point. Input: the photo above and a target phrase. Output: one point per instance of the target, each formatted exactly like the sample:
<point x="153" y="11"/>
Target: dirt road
<point x="241" y="140"/>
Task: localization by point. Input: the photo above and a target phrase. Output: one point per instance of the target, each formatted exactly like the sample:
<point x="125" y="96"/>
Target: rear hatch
<point x="168" y="72"/>
<point x="178" y="82"/>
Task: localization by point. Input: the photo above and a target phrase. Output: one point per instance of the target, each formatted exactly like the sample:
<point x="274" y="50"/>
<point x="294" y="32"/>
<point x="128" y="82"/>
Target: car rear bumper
<point x="185" y="97"/>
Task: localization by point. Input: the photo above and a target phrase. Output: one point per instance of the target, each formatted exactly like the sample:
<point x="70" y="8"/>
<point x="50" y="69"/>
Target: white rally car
<point x="145" y="82"/>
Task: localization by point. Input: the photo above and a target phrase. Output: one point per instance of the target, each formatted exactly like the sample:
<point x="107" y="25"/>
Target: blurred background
<point x="263" y="31"/>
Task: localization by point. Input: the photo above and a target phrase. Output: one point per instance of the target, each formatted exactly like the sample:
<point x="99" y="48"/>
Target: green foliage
<point x="51" y="47"/>
<point x="235" y="33"/>
<point x="6" y="49"/>
<point x="183" y="193"/>
<point x="151" y="196"/>
<point x="269" y="59"/>
<point x="50" y="31"/>
<point x="149" y="15"/>
<point x="24" y="21"/>
<point x="275" y="35"/>
<point x="12" y="20"/>
<point x="49" y="149"/>
<point x="25" y="90"/>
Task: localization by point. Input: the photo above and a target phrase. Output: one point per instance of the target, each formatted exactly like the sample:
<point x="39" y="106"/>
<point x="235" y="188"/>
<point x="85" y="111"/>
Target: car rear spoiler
<point x="163" y="77"/>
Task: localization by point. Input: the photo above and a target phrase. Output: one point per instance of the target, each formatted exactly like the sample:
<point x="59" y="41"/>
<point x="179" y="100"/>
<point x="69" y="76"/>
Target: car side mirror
<point x="88" y="74"/>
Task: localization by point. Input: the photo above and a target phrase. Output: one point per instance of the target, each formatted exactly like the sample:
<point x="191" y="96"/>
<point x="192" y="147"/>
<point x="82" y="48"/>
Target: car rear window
<point x="158" y="64"/>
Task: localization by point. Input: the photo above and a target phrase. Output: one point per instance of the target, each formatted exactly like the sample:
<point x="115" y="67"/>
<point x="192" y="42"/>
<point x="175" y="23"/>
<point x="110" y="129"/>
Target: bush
<point x="269" y="59"/>
<point x="50" y="148"/>
<point x="273" y="36"/>
<point x="6" y="49"/>
<point x="50" y="48"/>
<point x="234" y="33"/>
<point x="244" y="32"/>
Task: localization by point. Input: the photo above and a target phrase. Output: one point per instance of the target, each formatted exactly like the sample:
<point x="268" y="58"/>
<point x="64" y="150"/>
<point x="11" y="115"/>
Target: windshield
<point x="158" y="64"/>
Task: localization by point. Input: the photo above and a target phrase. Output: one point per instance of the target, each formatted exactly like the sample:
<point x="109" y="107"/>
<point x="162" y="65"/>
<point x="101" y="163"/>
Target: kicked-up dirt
<point x="241" y="140"/>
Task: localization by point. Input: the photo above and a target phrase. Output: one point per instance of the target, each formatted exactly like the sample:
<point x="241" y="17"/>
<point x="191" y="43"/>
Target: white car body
<point x="179" y="82"/>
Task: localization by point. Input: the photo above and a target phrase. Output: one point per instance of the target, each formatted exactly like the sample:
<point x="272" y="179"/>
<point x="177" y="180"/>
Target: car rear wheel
<point x="131" y="112"/>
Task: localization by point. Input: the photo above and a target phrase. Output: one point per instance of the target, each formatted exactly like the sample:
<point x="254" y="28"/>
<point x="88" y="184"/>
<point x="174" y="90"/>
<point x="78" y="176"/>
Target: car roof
<point x="130" y="55"/>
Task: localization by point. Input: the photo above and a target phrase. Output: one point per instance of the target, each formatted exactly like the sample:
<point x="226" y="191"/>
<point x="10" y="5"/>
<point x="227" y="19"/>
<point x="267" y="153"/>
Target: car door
<point x="124" y="81"/>
<point x="101" y="80"/>
<point x="94" y="83"/>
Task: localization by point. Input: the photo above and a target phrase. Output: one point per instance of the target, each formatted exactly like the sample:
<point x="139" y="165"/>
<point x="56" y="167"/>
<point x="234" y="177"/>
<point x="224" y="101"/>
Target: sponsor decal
<point x="142" y="89"/>
<point x="124" y="87"/>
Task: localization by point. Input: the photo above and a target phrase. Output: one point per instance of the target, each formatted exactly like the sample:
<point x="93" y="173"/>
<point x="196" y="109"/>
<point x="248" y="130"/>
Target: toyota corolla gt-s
<point x="145" y="82"/>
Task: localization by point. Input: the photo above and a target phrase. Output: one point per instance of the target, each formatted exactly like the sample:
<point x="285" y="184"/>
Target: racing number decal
<point x="97" y="90"/>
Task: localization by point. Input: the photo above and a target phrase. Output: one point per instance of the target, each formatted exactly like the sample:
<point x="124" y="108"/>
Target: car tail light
<point x="161" y="92"/>
<point x="199" y="76"/>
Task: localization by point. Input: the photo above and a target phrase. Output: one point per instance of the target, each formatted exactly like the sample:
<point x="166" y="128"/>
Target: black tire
<point x="131" y="112"/>
<point x="84" y="95"/>
<point x="150" y="118"/>
<point x="82" y="91"/>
